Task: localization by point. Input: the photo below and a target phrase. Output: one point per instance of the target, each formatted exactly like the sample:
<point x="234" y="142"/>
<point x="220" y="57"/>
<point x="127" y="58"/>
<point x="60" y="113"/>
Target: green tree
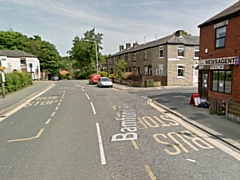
<point x="46" y="52"/>
<point x="121" y="66"/>
<point x="84" y="50"/>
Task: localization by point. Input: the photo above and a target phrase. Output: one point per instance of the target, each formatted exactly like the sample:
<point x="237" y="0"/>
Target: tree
<point x="84" y="50"/>
<point x="46" y="52"/>
<point x="121" y="66"/>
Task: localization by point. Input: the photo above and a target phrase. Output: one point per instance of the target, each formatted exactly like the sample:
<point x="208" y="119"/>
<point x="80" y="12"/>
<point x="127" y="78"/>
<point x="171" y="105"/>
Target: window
<point x="134" y="57"/>
<point x="181" y="50"/>
<point x="160" y="51"/>
<point x="222" y="81"/>
<point x="180" y="69"/>
<point x="196" y="51"/>
<point x="134" y="69"/>
<point x="160" y="71"/>
<point x="145" y="70"/>
<point x="220" y="37"/>
<point x="23" y="61"/>
<point x="145" y="55"/>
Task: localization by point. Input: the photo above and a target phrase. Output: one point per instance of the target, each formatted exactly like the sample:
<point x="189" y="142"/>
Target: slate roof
<point x="231" y="11"/>
<point x="15" y="53"/>
<point x="171" y="39"/>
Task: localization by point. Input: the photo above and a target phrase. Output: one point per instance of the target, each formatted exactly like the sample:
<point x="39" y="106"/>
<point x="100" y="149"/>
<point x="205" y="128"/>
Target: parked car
<point x="93" y="79"/>
<point x="55" y="78"/>
<point x="104" y="82"/>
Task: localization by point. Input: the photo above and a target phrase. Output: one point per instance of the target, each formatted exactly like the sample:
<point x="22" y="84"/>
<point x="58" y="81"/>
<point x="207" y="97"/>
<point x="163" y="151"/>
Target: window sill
<point x="173" y="59"/>
<point x="180" y="77"/>
<point x="180" y="57"/>
<point x="196" y="58"/>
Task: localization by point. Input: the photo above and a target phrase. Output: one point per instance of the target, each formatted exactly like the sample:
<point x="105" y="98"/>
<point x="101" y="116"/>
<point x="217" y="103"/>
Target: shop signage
<point x="219" y="66"/>
<point x="214" y="61"/>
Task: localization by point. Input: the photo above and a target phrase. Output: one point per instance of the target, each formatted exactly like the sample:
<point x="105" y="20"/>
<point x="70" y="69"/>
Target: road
<point x="79" y="131"/>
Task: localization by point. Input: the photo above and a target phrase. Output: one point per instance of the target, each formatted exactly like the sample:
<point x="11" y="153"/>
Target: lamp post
<point x="96" y="52"/>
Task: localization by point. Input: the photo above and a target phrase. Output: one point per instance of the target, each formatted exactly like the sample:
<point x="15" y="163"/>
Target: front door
<point x="204" y="85"/>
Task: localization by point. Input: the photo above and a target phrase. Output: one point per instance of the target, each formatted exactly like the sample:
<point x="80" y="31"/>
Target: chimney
<point x="121" y="47"/>
<point x="135" y="44"/>
<point x="128" y="45"/>
<point x="178" y="33"/>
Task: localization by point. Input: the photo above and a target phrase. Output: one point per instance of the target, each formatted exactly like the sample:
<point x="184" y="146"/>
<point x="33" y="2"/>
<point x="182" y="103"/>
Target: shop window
<point x="222" y="81"/>
<point x="220" y="37"/>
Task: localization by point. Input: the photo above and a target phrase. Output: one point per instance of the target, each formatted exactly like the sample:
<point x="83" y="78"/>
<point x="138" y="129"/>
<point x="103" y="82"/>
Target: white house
<point x="16" y="60"/>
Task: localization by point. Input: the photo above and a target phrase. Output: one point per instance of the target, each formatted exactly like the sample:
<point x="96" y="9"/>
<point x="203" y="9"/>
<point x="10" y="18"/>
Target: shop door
<point x="204" y="85"/>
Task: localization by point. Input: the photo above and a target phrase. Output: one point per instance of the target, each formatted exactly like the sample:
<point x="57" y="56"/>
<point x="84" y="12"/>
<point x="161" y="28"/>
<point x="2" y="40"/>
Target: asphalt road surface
<point x="79" y="131"/>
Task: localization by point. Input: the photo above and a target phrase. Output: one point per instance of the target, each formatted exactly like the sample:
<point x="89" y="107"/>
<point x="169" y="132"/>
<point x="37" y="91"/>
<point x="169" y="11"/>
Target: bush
<point x="17" y="80"/>
<point x="103" y="74"/>
<point x="126" y="75"/>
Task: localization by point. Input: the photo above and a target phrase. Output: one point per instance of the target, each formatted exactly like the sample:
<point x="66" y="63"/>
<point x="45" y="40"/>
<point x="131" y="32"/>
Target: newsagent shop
<point x="219" y="79"/>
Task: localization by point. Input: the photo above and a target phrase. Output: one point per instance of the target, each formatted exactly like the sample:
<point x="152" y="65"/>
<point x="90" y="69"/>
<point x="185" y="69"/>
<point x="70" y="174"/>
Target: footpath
<point x="217" y="126"/>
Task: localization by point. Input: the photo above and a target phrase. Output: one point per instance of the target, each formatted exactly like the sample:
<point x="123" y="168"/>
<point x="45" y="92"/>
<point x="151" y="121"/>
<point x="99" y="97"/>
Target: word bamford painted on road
<point x="43" y="101"/>
<point x="128" y="123"/>
<point x="173" y="141"/>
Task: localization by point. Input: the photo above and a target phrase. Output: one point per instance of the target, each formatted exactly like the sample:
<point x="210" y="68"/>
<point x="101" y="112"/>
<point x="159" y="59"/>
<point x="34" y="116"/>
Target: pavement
<point x="217" y="126"/>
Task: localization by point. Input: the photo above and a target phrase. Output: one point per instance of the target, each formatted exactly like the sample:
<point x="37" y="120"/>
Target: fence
<point x="233" y="111"/>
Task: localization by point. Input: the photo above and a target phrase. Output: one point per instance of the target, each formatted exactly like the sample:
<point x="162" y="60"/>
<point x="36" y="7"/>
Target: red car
<point x="94" y="78"/>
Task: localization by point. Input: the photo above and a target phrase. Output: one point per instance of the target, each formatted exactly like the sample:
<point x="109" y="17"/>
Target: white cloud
<point x="59" y="21"/>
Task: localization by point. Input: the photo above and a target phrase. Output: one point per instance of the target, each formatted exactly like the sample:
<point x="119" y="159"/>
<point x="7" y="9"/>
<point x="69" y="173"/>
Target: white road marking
<point x="24" y="104"/>
<point x="102" y="155"/>
<point x="94" y="112"/>
<point x="87" y="96"/>
<point x="202" y="134"/>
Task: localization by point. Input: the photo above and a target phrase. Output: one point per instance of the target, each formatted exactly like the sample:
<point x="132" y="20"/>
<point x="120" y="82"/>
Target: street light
<point x="95" y="50"/>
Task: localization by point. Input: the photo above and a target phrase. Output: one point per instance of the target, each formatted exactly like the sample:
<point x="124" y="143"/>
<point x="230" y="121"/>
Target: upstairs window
<point x="220" y="37"/>
<point x="196" y="52"/>
<point x="160" y="51"/>
<point x="23" y="61"/>
<point x="145" y="55"/>
<point x="181" y="50"/>
<point x="134" y="57"/>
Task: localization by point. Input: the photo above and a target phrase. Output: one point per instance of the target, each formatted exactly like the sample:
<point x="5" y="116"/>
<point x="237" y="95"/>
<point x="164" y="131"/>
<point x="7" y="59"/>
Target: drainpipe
<point x="3" y="85"/>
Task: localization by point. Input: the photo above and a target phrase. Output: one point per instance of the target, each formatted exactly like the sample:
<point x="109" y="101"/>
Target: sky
<point x="120" y="21"/>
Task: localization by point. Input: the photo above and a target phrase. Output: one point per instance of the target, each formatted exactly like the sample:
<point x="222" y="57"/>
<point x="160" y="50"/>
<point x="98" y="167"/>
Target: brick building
<point x="219" y="56"/>
<point x="173" y="56"/>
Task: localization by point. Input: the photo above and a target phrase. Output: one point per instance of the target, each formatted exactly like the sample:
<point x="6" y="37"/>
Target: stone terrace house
<point x="219" y="69"/>
<point x="16" y="60"/>
<point x="173" y="56"/>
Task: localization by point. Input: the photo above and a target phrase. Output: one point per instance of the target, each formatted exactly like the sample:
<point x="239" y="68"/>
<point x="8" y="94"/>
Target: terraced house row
<point x="173" y="57"/>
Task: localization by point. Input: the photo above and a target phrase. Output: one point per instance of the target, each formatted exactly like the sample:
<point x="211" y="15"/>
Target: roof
<point x="15" y="53"/>
<point x="63" y="72"/>
<point x="171" y="39"/>
<point x="231" y="11"/>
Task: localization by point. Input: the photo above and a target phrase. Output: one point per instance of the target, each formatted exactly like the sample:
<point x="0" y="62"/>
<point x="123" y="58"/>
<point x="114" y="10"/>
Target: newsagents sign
<point x="214" y="61"/>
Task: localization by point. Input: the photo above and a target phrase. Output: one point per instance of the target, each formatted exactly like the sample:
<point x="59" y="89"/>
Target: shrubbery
<point x="16" y="80"/>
